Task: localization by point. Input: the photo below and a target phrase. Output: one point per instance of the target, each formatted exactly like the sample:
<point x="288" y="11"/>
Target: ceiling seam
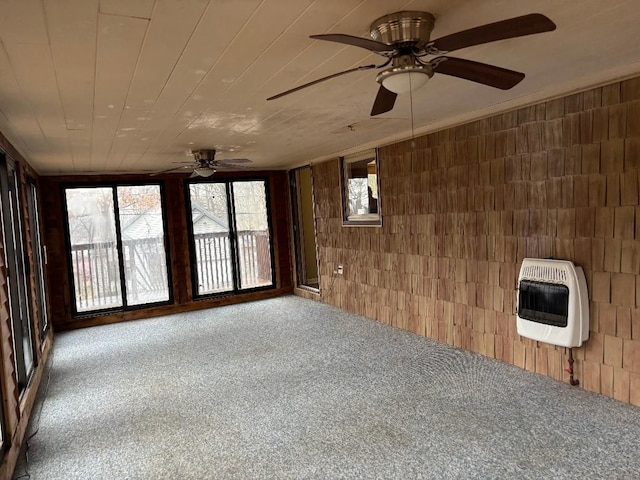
<point x="128" y="16"/>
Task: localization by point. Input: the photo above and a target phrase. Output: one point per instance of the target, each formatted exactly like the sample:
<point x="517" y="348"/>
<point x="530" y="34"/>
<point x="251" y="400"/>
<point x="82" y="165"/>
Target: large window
<point x="117" y="246"/>
<point x="230" y="236"/>
<point x="360" y="192"/>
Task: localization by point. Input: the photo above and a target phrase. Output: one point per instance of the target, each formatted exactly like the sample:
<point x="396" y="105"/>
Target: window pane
<point x="212" y="244"/>
<point x="358" y="197"/>
<point x="144" y="255"/>
<point x="362" y="186"/>
<point x="254" y="247"/>
<point x="94" y="255"/>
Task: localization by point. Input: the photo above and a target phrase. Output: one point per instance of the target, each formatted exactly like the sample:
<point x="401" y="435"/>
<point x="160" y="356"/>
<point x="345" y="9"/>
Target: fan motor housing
<point x="403" y="28"/>
<point x="205" y="156"/>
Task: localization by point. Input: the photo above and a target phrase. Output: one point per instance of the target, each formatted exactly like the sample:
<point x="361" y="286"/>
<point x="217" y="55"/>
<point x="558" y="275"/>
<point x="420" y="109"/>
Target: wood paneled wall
<point x="58" y="274"/>
<point x="462" y="207"/>
<point x="16" y="410"/>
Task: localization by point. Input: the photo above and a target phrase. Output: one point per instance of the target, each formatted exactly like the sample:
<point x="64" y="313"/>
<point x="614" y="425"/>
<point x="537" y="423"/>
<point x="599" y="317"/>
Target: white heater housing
<point x="552" y="302"/>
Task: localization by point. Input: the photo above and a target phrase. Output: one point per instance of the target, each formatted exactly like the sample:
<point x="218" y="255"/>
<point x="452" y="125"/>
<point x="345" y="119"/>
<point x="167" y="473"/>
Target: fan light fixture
<point x="204" y="171"/>
<point x="404" y="79"/>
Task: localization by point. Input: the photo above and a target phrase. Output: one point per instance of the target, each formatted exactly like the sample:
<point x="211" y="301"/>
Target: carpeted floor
<point x="290" y="388"/>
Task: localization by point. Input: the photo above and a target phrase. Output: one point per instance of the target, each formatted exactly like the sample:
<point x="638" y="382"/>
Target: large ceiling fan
<point x="403" y="38"/>
<point x="205" y="164"/>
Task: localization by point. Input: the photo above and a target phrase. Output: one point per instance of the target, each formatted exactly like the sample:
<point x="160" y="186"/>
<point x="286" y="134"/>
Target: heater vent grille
<point x="544" y="273"/>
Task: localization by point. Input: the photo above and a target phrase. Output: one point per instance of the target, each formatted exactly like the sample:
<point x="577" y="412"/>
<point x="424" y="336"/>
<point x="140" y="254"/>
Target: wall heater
<point x="552" y="302"/>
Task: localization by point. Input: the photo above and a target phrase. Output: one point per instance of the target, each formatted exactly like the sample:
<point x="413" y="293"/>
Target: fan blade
<point x="193" y="175"/>
<point x="365" y="43"/>
<point x="513" y="27"/>
<point x="232" y="166"/>
<point x="362" y="67"/>
<point x="229" y="161"/>
<point x="384" y="102"/>
<point x="477" y="72"/>
<point x="171" y="170"/>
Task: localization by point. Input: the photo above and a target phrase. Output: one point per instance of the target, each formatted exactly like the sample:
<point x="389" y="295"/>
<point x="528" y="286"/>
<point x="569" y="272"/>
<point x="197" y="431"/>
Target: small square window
<point x="360" y="189"/>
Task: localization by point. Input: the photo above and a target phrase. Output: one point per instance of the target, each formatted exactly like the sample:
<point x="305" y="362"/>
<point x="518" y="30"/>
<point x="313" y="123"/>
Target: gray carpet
<point x="290" y="388"/>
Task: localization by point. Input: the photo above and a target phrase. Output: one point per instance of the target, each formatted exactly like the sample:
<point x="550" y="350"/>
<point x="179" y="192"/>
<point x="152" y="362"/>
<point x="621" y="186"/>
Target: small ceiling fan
<point x="205" y="164"/>
<point x="403" y="38"/>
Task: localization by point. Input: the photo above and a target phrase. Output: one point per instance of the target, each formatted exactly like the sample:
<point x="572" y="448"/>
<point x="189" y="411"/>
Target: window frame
<point x="39" y="254"/>
<point x="235" y="260"/>
<point x="125" y="307"/>
<point x="361" y="220"/>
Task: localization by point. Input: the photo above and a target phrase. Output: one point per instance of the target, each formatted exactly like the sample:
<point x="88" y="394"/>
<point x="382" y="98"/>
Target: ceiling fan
<point x="403" y="38"/>
<point x="205" y="164"/>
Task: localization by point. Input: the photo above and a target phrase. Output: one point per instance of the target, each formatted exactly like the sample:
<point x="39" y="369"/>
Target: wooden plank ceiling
<point x="130" y="85"/>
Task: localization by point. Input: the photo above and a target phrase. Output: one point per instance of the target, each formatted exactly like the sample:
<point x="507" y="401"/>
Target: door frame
<point x="299" y="251"/>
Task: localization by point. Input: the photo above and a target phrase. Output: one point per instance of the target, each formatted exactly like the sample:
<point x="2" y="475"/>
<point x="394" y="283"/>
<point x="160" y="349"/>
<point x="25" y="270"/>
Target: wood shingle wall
<point x="464" y="206"/>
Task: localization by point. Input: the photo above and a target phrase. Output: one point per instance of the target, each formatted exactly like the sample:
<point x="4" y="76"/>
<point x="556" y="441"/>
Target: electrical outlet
<point x="340" y="270"/>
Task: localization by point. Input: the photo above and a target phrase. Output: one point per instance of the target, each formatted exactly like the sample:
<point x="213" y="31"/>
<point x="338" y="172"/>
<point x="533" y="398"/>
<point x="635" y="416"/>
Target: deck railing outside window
<point x="214" y="260"/>
<point x="96" y="276"/>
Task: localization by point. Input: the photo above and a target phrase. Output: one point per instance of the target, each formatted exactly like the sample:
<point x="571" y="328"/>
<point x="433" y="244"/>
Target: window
<point x="360" y="192"/>
<point x="37" y="252"/>
<point x="230" y="236"/>
<point x="16" y="272"/>
<point x="117" y="246"/>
